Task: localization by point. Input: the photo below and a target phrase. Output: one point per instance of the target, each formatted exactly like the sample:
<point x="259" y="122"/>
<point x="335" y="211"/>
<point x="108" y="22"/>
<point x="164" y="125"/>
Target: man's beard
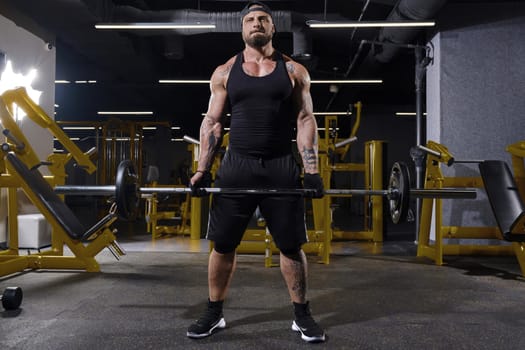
<point x="258" y="40"/>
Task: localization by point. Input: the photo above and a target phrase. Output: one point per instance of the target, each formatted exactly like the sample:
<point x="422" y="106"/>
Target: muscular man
<point x="268" y="94"/>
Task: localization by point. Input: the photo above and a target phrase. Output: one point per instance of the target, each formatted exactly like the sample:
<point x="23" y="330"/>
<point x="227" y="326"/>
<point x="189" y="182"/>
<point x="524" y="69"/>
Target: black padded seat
<point x="504" y="199"/>
<point x="47" y="197"/>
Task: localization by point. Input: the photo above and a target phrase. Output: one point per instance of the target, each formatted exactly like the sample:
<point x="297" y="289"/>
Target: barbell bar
<point x="109" y="190"/>
<point x="127" y="191"/>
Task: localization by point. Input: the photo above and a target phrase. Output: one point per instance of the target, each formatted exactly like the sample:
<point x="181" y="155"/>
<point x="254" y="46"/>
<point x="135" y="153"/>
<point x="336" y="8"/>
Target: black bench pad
<point x="47" y="197"/>
<point x="504" y="199"/>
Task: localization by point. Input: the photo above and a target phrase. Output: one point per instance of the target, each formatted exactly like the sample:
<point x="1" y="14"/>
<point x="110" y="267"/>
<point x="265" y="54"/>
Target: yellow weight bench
<point x="84" y="243"/>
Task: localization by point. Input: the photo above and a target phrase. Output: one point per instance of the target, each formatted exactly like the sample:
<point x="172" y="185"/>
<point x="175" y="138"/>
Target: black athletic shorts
<point x="231" y="213"/>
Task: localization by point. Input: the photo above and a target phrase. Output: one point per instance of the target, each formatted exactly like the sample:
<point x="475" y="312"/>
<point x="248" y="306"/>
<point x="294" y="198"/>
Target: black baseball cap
<point x="255" y="6"/>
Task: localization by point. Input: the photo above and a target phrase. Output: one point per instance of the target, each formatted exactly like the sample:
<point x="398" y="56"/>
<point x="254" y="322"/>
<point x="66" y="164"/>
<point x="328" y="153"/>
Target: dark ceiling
<point x="127" y="65"/>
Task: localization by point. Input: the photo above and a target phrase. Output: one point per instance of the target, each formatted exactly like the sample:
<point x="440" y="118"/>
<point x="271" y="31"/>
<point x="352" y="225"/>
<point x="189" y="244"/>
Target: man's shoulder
<point x="293" y="67"/>
<point x="222" y="71"/>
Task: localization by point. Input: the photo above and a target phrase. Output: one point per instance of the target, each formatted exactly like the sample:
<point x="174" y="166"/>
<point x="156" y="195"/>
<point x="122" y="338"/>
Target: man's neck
<point x="258" y="54"/>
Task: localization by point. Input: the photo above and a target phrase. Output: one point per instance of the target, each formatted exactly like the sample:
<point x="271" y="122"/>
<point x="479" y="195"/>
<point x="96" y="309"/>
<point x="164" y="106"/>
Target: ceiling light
<point x="406" y="114"/>
<point x="119" y="139"/>
<point x="76" y="82"/>
<point x="146" y="26"/>
<point x="368" y="24"/>
<point x="85" y="81"/>
<point x="124" y="113"/>
<point x="78" y="128"/>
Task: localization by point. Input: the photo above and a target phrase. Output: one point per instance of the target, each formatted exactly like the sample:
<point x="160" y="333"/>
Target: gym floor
<point x="370" y="296"/>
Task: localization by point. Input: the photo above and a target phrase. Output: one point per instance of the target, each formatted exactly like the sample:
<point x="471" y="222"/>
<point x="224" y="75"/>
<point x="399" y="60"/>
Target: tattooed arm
<point x="211" y="126"/>
<point x="306" y="124"/>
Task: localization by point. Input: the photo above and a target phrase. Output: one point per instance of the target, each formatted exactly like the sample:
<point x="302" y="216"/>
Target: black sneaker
<point x="210" y="321"/>
<point x="310" y="330"/>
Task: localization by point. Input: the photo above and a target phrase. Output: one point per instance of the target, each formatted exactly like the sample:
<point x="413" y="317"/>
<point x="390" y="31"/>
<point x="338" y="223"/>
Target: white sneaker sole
<point x="316" y="339"/>
<point x="221" y="324"/>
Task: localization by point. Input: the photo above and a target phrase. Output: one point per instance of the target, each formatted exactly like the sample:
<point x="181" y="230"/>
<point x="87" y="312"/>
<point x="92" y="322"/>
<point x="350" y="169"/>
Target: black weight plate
<point x="126" y="189"/>
<point x="399" y="187"/>
<point x="12" y="298"/>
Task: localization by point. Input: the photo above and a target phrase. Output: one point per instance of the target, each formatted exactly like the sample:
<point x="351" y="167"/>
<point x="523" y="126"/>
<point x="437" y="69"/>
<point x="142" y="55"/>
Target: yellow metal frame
<point x="373" y="226"/>
<point x="84" y="253"/>
<point x="110" y="153"/>
<point x="435" y="250"/>
<point x="152" y="216"/>
<point x="372" y="168"/>
<point x="20" y="97"/>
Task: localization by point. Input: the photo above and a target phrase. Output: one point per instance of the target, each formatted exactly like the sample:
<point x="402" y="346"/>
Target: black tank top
<point x="261" y="111"/>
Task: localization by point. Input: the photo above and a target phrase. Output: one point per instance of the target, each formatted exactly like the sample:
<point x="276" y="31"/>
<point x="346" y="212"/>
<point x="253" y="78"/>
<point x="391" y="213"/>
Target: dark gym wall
<point x="475" y="92"/>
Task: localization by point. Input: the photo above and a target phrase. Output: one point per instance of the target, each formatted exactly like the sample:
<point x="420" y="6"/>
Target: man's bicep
<point x="218" y="96"/>
<point x="217" y="103"/>
<point x="302" y="96"/>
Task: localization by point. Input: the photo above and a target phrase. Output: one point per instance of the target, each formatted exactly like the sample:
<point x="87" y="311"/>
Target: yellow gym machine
<point x="153" y="215"/>
<point x="432" y="209"/>
<point x="115" y="140"/>
<point x="19" y="169"/>
<point x="329" y="147"/>
<point x="118" y="140"/>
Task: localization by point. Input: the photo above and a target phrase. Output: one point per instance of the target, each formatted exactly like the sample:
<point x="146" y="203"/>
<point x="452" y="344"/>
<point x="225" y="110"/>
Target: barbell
<point x="127" y="192"/>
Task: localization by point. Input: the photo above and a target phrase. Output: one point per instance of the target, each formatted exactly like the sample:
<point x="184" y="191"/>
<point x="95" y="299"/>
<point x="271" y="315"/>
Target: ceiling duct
<point x="363" y="65"/>
<point x="415" y="10"/>
<point x="225" y="22"/>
